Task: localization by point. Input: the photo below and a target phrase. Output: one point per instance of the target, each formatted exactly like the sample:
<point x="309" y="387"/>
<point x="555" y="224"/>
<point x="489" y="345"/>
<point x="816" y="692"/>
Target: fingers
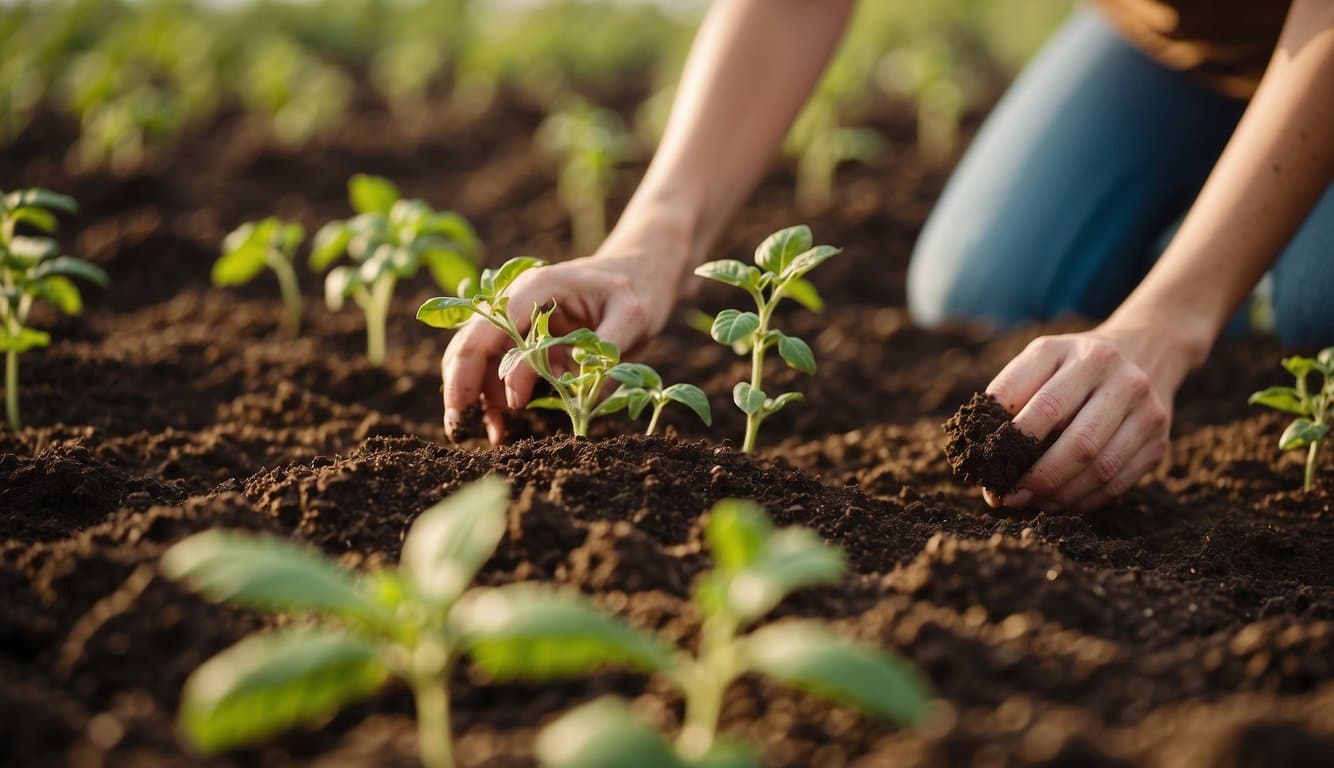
<point x="1063" y="395"/>
<point x="493" y="405"/>
<point x="468" y="360"/>
<point x="624" y="320"/>
<point x="1083" y="443"/>
<point x="1017" y="382"/>
<point x="1148" y="459"/>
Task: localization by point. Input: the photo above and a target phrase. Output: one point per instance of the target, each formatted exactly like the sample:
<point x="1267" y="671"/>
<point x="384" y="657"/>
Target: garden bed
<point x="1190" y="623"/>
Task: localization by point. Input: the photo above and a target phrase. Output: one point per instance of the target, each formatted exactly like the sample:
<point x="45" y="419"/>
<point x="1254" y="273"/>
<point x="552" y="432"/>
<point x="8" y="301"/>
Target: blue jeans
<point x="1075" y="181"/>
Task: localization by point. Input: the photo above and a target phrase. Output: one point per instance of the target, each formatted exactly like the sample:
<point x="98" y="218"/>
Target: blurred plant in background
<point x="589" y="143"/>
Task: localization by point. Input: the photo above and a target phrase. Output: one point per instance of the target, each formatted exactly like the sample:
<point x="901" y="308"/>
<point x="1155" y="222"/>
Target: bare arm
<point x="1115" y="384"/>
<point x="752" y="66"/>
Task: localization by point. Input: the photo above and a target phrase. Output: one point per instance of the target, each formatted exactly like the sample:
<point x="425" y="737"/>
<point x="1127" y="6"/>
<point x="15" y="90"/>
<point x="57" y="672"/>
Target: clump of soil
<point x="985" y="449"/>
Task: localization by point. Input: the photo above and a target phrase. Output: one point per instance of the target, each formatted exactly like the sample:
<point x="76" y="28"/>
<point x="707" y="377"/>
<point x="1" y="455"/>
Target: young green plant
<point x="1314" y="408"/>
<point x="755" y="567"/>
<point x="578" y="391"/>
<point x="782" y="262"/>
<point x="390" y="239"/>
<point x="31" y="270"/>
<point x="251" y="247"/>
<point x="590" y="143"/>
<point x="411" y="623"/>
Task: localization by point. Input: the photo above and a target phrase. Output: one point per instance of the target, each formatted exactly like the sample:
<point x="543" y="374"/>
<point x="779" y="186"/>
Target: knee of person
<point x="958" y="281"/>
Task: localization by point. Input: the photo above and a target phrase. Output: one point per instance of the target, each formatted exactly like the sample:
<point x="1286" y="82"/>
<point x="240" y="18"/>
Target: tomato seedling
<point x="251" y="247"/>
<point x="1314" y="409"/>
<point x="390" y="239"/>
<point x="783" y="260"/>
<point x="32" y="269"/>
<point x="578" y="392"/>
<point x="410" y="623"/>
<point x="755" y="567"/>
<point x="590" y="143"/>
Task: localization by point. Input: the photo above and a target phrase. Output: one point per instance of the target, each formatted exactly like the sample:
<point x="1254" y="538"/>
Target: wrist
<point x="1169" y="344"/>
<point x="660" y="237"/>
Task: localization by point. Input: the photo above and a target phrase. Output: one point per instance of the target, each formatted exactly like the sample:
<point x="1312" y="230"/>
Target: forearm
<point x="1273" y="171"/>
<point x="751" y="67"/>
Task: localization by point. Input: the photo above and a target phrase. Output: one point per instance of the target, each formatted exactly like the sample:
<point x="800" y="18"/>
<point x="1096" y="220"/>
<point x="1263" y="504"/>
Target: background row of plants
<point x="137" y="74"/>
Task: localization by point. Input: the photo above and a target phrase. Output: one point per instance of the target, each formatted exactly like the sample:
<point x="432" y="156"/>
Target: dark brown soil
<point x="1190" y="623"/>
<point x="984" y="448"/>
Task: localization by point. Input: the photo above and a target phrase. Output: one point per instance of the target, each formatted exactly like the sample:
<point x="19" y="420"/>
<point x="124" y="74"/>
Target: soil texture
<point x="984" y="447"/>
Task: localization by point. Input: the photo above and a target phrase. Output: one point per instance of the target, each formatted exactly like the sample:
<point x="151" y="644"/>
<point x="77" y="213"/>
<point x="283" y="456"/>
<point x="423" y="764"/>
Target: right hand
<point x="622" y="297"/>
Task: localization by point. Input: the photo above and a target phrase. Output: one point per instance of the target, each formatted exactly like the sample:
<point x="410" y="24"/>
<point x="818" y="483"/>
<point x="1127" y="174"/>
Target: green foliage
<point x="32" y="270"/>
<point x="1314" y="408"/>
<point x="782" y="262"/>
<point x="589" y="143"/>
<point x="755" y="567"/>
<point x="390" y="239"/>
<point x="411" y="623"/>
<point x="302" y="95"/>
<point x="251" y="247"/>
<point x="591" y="360"/>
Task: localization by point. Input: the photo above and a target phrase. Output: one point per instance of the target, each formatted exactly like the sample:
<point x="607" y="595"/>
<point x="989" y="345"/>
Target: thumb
<point x="624" y="321"/>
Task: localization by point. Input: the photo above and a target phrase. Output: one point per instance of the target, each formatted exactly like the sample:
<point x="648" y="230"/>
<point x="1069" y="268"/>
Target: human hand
<point x="1108" y="393"/>
<point x="619" y="296"/>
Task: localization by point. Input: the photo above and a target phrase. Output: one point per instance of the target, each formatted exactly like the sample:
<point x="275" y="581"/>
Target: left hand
<point x="1108" y="392"/>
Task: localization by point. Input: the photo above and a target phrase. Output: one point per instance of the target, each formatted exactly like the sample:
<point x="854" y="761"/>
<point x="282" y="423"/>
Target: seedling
<point x="783" y="259"/>
<point x="301" y="94"/>
<point x="258" y="244"/>
<point x="390" y="239"/>
<point x="1314" y="409"/>
<point x="410" y="623"/>
<point x="590" y="144"/>
<point x="578" y="392"/>
<point x="31" y="269"/>
<point x="821" y="143"/>
<point x="755" y="567"/>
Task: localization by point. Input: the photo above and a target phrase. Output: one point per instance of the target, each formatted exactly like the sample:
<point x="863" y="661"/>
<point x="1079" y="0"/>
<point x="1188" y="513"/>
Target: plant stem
<point x="433" y="729"/>
<point x="12" y="388"/>
<point x="711" y="675"/>
<point x="291" y="291"/>
<point x="757" y="351"/>
<point x="653" y="420"/>
<point x="377" y="314"/>
<point x="1311" y="454"/>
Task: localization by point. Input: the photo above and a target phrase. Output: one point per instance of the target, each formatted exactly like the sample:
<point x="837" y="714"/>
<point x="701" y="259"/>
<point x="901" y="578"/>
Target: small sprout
<point x="590" y="144"/>
<point x="1314" y="409"/>
<point x="258" y="244"/>
<point x="390" y="239"/>
<point x="755" y="567"/>
<point x="410" y="623"/>
<point x="301" y="94"/>
<point x="32" y="269"/>
<point x="578" y="392"/>
<point x="783" y="259"/>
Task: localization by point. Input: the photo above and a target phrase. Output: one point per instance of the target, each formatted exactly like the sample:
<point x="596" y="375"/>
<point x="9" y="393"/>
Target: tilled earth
<point x="1190" y="623"/>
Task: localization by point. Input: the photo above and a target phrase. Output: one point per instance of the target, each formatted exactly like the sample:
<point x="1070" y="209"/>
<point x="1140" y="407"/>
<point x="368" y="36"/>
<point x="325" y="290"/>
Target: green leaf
<point x="1283" y="399"/>
<point x="266" y="573"/>
<point x="330" y="242"/>
<point x="371" y="194"/>
<point x="747" y="398"/>
<point x="445" y="311"/>
<point x="33" y="249"/>
<point x="736" y="532"/>
<point x="693" y="398"/>
<point x="804" y="293"/>
<point x="70" y="267"/>
<point x="808" y="657"/>
<point x="292" y="233"/>
<point x="450" y="268"/>
<point x="615" y="402"/>
<point x="456" y="228"/>
<point x="505" y="275"/>
<point x="636" y="375"/>
<point x="340" y="283"/>
<point x="453" y="539"/>
<point x="1301" y="433"/>
<point x="239" y="266"/>
<point x="780" y="248"/>
<point x="378" y="265"/>
<point x="40" y="198"/>
<point x="61" y="292"/>
<point x="797" y="354"/>
<point x="778" y="403"/>
<point x="270" y="682"/>
<point x="809" y="260"/>
<point x="731" y="272"/>
<point x="733" y="325"/>
<point x="639" y="400"/>
<point x="242" y="236"/>
<point x="24" y="340"/>
<point x="525" y="631"/>
<point x="1299" y="366"/>
<point x="547" y="403"/>
<point x="790" y="559"/>
<point x="35" y="217"/>
<point x="603" y="734"/>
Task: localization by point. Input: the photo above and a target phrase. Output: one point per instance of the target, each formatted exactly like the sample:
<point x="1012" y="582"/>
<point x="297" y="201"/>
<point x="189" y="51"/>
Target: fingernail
<point x="1018" y="499"/>
<point x="1050" y="508"/>
<point x="451" y="422"/>
<point x="494" y="431"/>
<point x="511" y="397"/>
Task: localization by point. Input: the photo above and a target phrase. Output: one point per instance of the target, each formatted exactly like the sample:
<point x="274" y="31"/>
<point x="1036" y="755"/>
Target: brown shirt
<point x="1224" y="43"/>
